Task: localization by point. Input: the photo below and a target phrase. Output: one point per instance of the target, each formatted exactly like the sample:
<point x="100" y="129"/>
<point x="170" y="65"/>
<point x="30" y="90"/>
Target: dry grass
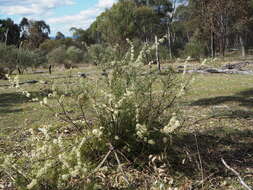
<point x="217" y="108"/>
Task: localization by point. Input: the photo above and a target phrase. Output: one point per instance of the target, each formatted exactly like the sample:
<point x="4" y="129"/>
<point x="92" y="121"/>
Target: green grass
<point x="224" y="102"/>
<point x="213" y="85"/>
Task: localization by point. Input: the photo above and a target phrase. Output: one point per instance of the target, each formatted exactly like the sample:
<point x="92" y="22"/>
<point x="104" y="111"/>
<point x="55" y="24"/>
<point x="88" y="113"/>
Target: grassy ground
<point x="217" y="108"/>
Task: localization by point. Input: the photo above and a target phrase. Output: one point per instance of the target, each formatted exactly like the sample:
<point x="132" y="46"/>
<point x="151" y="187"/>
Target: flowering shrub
<point x="15" y="83"/>
<point x="126" y="115"/>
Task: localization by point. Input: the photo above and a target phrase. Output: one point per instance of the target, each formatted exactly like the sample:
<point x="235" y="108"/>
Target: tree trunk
<point x="169" y="40"/>
<point x="147" y="3"/>
<point x="223" y="35"/>
<point x="6" y="36"/>
<point x="212" y="45"/>
<point x="157" y="54"/>
<point x="188" y="36"/>
<point x="50" y="69"/>
<point x="222" y="46"/>
<point x="243" y="49"/>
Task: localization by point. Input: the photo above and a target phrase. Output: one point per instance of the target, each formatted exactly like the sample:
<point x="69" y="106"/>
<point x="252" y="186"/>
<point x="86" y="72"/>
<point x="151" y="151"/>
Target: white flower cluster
<point x="204" y="62"/>
<point x="42" y="147"/>
<point x="113" y="105"/>
<point x="171" y="126"/>
<point x="81" y="122"/>
<point x="67" y="157"/>
<point x="141" y="130"/>
<point x="15" y="83"/>
<point x="7" y="163"/>
<point x="44" y="101"/>
<point x="145" y="50"/>
<point x="73" y="163"/>
<point x="131" y="50"/>
<point x="97" y="132"/>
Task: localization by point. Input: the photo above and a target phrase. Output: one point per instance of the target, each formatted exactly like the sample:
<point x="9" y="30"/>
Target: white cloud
<point x="30" y="7"/>
<point x="83" y="19"/>
<point x="44" y="9"/>
<point x="105" y="3"/>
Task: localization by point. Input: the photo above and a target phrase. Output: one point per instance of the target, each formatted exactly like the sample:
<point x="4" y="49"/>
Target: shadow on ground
<point x="9" y="102"/>
<point x="236" y="147"/>
<point x="244" y="98"/>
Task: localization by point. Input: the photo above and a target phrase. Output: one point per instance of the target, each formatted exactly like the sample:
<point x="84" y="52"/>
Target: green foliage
<point x="100" y="54"/>
<point x="194" y="49"/>
<point x="57" y="55"/>
<point x="131" y="110"/>
<point x="59" y="36"/>
<point x="33" y="33"/>
<point x="117" y="23"/>
<point x="10" y="30"/>
<point x="83" y="36"/>
<point x="13" y="58"/>
<point x="40" y="58"/>
<point x="8" y="56"/>
<point x="126" y="108"/>
<point x="61" y="54"/>
<point x="164" y="53"/>
<point x="48" y="45"/>
<point x="147" y="22"/>
<point x="74" y="54"/>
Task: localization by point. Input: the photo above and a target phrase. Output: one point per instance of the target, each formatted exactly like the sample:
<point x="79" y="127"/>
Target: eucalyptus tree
<point x="219" y="22"/>
<point x="9" y="32"/>
<point x="84" y="37"/>
<point x="243" y="22"/>
<point x="117" y="24"/>
<point x="147" y="23"/>
<point x="59" y="36"/>
<point x="24" y="27"/>
<point x="34" y="32"/>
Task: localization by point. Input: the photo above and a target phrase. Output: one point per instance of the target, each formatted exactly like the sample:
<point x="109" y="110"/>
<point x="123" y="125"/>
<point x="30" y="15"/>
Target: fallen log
<point x="218" y="71"/>
<point x="22" y="83"/>
<point x="237" y="66"/>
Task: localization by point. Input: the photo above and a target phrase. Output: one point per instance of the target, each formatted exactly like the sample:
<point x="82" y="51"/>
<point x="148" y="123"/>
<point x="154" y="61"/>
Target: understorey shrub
<point x="74" y="54"/>
<point x="121" y="121"/>
<point x="100" y="54"/>
<point x="57" y="55"/>
<point x="195" y="48"/>
<point x="12" y="58"/>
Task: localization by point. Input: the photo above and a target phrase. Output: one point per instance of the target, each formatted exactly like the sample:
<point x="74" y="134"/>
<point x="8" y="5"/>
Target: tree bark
<point x="147" y="3"/>
<point x="222" y="46"/>
<point x="157" y="54"/>
<point x="169" y="40"/>
<point x="242" y="43"/>
<point x="212" y="45"/>
<point x="6" y="36"/>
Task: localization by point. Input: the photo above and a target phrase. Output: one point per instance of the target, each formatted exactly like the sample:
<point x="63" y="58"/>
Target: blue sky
<point x="61" y="15"/>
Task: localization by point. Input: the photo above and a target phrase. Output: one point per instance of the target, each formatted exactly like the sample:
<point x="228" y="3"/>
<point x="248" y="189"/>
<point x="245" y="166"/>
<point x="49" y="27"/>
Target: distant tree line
<point x="28" y="33"/>
<point x="196" y="28"/>
<point x="28" y="44"/>
<point x="193" y="27"/>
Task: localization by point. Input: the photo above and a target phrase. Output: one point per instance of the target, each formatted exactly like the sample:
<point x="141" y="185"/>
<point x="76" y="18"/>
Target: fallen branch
<point x="237" y="174"/>
<point x="237" y="65"/>
<point x="121" y="169"/>
<point x="218" y="71"/>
